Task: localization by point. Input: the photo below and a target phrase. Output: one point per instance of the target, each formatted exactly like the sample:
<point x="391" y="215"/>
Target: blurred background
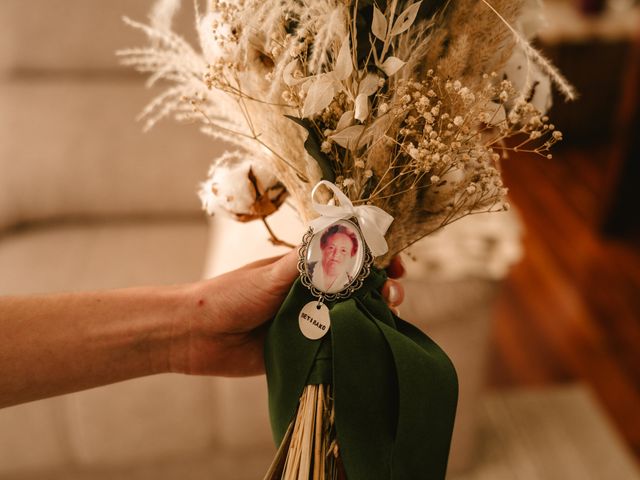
<point x="539" y="308"/>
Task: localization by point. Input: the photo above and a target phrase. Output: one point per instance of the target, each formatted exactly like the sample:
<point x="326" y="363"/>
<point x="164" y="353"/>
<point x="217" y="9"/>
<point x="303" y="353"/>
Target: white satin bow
<point x="373" y="221"/>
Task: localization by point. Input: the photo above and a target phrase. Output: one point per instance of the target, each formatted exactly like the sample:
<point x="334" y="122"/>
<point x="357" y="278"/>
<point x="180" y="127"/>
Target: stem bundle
<point x="309" y="450"/>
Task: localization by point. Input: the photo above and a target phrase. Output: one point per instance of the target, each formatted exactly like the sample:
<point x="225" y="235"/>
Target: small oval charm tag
<point x="314" y="320"/>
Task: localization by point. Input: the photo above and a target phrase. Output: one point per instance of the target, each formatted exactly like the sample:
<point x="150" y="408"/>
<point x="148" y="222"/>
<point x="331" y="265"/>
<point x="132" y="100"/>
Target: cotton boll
<point x="525" y="76"/>
<point x="451" y="181"/>
<point x="494" y="114"/>
<point x="241" y="187"/>
<point x="530" y="80"/>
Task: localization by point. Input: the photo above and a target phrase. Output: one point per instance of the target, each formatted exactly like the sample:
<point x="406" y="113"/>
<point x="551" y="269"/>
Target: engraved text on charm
<point x="314" y="320"/>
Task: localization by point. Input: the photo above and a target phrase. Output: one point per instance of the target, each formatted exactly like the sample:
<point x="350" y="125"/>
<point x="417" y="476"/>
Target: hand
<point x="229" y="314"/>
<point x="392" y="291"/>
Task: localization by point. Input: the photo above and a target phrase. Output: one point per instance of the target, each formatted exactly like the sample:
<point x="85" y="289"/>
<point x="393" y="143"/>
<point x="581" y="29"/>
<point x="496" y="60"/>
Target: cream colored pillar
<point x="242" y="413"/>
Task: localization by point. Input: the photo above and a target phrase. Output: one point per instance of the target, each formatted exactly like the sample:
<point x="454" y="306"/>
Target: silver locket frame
<point x="350" y="288"/>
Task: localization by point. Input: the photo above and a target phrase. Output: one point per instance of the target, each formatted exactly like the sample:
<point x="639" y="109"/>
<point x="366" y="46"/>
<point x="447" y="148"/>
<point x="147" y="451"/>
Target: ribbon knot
<point x="373" y="221"/>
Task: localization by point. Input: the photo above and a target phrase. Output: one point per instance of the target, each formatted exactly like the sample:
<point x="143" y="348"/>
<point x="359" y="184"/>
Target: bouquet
<point x="380" y="123"/>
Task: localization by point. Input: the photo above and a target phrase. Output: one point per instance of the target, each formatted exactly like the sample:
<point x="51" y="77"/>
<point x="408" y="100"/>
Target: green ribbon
<point x="395" y="390"/>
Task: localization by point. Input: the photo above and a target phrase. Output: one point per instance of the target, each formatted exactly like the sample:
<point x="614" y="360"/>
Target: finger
<point x="273" y="279"/>
<point x="261" y="263"/>
<point x="393" y="292"/>
<point x="395" y="269"/>
<point x="285" y="270"/>
<point x="268" y="261"/>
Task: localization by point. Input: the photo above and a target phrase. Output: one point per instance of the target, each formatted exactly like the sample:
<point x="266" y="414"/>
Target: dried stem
<point x="309" y="450"/>
<point x="273" y="238"/>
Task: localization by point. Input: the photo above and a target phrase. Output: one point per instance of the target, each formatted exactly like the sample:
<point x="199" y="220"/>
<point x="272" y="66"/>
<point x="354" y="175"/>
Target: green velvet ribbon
<point x="395" y="390"/>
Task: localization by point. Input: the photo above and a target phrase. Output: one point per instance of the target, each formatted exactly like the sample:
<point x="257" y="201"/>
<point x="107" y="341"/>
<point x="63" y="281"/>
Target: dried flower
<point x="426" y="132"/>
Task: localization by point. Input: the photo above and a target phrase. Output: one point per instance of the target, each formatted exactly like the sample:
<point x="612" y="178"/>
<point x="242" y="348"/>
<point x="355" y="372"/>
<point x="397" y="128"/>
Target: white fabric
<point x="373" y="221"/>
<point x="319" y="280"/>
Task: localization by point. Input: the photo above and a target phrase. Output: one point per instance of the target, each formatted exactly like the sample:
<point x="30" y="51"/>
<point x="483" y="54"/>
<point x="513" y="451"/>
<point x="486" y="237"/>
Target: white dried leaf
<point x="378" y="128"/>
<point x="379" y="25"/>
<point x="348" y="138"/>
<point x="369" y="85"/>
<point x="319" y="96"/>
<point x="344" y="65"/>
<point x="405" y="19"/>
<point x="367" y="137"/>
<point x="287" y="74"/>
<point x="391" y="65"/>
<point x="362" y="107"/>
<point x="346" y="120"/>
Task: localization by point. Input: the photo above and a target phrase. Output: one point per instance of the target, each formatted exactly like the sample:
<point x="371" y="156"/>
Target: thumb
<point x="282" y="273"/>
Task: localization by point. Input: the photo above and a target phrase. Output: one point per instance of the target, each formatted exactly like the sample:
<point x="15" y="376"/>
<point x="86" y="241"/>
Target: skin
<point x="56" y="344"/>
<point x="335" y="254"/>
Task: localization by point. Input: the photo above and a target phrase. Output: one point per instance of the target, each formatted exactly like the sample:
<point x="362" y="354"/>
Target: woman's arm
<point x="55" y="344"/>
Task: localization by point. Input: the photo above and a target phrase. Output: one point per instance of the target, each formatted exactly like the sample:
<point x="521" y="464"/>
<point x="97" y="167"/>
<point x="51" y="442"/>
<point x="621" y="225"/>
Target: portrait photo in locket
<point x="335" y="257"/>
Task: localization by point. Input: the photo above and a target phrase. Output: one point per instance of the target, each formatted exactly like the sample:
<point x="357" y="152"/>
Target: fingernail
<point x="396" y="268"/>
<point x="394" y="293"/>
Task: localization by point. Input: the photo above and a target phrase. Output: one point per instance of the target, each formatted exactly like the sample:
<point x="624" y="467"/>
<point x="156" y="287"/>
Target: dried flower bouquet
<point x="400" y="105"/>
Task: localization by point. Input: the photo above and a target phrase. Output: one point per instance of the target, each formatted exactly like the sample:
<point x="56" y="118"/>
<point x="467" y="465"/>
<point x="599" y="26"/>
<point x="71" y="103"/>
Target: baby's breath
<point x="422" y="145"/>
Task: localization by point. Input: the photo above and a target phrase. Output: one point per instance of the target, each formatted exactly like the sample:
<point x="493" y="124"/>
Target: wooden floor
<point x="571" y="309"/>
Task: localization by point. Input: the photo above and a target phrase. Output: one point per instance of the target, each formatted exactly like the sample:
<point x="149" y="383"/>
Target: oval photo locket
<point x="334" y="261"/>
